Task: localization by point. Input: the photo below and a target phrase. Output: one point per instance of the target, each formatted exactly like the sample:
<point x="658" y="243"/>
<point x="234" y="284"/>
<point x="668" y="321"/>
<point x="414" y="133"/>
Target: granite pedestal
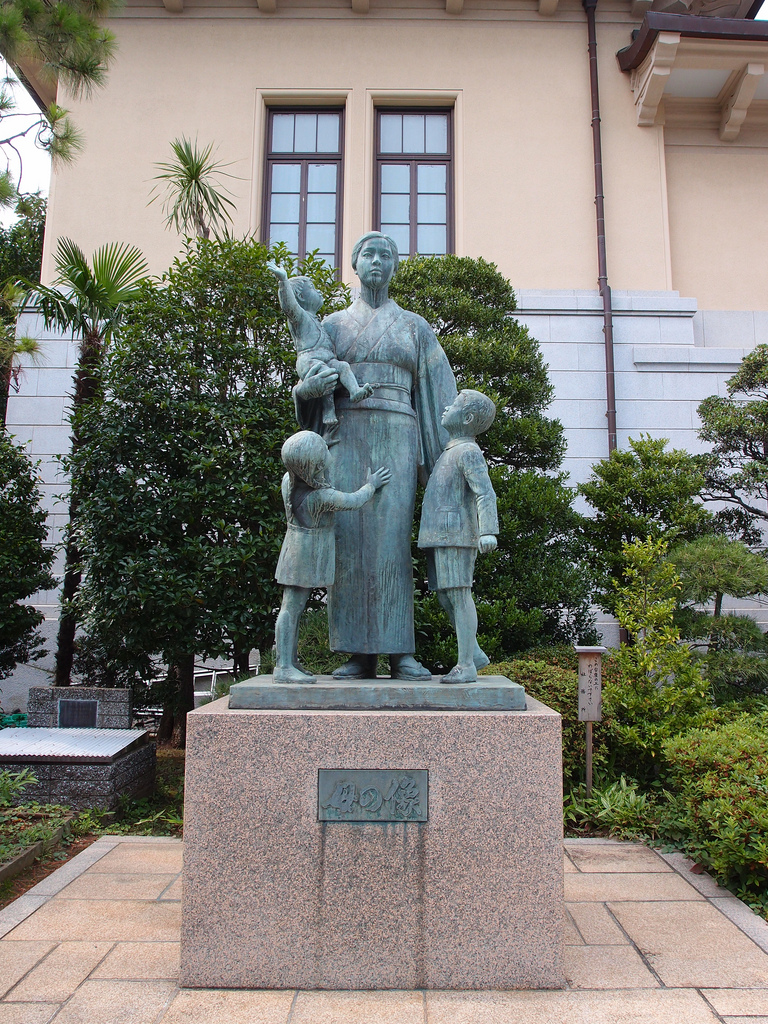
<point x="275" y="898"/>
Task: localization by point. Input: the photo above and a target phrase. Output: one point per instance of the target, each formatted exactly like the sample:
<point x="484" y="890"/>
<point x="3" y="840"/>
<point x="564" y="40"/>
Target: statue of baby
<point x="300" y="301"/>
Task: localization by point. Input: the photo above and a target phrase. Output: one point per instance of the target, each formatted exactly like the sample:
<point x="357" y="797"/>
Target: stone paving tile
<point x="57" y="977"/>
<point x="568" y="865"/>
<point x="104" y="920"/>
<point x="62" y="876"/>
<point x="747" y="921"/>
<point x="699" y="880"/>
<point x="116" y="1002"/>
<point x="600" y="887"/>
<point x="738" y="1001"/>
<point x="571" y="932"/>
<point x="27" y="1013"/>
<point x="606" y="967"/>
<point x="630" y="858"/>
<point x="16" y="958"/>
<point x="141" y="858"/>
<point x="596" y="925"/>
<point x="745" y="1020"/>
<point x="140" y="961"/>
<point x="101" y="886"/>
<point x="229" y="1006"/>
<point x="18" y="911"/>
<point x="174" y="892"/>
<point x="649" y="1006"/>
<point x="693" y="945"/>
<point x="358" y="1008"/>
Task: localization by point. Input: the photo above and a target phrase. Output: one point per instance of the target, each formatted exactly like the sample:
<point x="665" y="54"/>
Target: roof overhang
<point x="689" y="71"/>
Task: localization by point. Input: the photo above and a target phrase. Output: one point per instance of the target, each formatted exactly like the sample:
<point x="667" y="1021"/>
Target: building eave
<point x="691" y="27"/>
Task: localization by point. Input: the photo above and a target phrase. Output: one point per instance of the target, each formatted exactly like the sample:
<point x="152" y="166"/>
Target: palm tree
<point x="87" y="300"/>
<point x="194" y="201"/>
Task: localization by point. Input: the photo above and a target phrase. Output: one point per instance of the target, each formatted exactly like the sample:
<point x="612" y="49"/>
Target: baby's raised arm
<point x="288" y="301"/>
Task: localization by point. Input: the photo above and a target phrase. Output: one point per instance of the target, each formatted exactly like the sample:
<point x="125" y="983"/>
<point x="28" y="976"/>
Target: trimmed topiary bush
<point x="718" y="808"/>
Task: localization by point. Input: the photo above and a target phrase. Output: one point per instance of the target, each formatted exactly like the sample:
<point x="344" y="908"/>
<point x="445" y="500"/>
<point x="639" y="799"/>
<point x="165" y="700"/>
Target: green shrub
<point x="13" y="784"/>
<point x="620" y="809"/>
<point x="718" y="809"/>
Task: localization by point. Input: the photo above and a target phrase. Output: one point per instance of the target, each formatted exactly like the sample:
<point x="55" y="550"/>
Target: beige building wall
<point x="519" y="83"/>
<point x="719" y="217"/>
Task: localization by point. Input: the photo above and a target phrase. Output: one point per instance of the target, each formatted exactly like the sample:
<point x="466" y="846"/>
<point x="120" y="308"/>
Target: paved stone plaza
<point x="647" y="942"/>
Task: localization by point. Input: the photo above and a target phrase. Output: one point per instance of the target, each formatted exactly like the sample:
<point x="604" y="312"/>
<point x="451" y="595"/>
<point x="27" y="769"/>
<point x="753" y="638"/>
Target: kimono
<point x="370" y="606"/>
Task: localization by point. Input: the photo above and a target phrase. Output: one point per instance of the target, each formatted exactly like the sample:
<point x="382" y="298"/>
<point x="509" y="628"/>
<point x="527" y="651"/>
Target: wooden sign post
<point x="590" y="696"/>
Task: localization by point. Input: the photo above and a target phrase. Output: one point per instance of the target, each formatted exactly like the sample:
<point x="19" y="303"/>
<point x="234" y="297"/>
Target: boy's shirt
<point x="459" y="502"/>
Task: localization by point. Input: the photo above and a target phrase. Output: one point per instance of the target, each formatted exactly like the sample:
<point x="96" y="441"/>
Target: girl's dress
<point x="308" y="555"/>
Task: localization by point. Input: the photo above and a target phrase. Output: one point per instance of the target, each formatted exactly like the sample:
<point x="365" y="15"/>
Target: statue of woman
<point x="370" y="606"/>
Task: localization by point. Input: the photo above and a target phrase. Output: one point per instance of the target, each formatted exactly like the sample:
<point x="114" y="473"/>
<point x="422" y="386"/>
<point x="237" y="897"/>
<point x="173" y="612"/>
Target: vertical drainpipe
<point x="605" y="291"/>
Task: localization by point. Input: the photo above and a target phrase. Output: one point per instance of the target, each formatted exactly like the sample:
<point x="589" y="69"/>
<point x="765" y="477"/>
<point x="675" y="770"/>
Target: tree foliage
<point x="534" y="588"/>
<point x="62" y="43"/>
<point x="88" y="301"/>
<point x="737" y="428"/>
<point x="24" y="562"/>
<point x="181" y="519"/>
<point x="644" y="491"/>
<point x="660" y="688"/>
<point x="195" y="201"/>
<point x="21" y="253"/>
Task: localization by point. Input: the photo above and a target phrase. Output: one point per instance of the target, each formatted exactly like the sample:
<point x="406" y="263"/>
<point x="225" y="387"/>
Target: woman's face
<point x="375" y="264"/>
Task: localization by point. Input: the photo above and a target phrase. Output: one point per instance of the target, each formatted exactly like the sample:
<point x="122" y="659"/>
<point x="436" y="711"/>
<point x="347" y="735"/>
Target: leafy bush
<point x="718" y="810"/>
<point x="620" y="809"/>
<point x="13" y="784"/>
<point x="24" y="562"/>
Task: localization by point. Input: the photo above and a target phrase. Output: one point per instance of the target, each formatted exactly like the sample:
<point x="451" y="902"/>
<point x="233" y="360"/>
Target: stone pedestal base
<point x="275" y="898"/>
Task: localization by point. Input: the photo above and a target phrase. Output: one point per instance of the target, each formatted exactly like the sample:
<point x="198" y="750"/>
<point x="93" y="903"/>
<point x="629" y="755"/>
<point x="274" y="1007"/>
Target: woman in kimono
<point x="370" y="606"/>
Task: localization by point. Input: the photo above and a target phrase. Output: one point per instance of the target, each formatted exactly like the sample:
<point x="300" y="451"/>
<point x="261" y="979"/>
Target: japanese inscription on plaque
<point x="590" y="684"/>
<point x="372" y="794"/>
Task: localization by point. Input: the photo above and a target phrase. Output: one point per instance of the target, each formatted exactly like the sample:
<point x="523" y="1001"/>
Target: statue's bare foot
<point x="461" y="674"/>
<point x="480" y="658"/>
<point x="364" y="391"/>
<point x="359" y="666"/>
<point x="405" y="666"/>
<point x="291" y="674"/>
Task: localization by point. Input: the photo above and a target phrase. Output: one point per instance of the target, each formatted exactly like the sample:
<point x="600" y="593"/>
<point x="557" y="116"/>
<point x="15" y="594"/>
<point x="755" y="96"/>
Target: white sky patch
<point x="30" y="166"/>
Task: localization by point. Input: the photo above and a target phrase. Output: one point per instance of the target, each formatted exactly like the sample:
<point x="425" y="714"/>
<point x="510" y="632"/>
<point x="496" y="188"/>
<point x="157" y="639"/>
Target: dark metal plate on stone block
<point x="489" y="693"/>
<point x="78" y="714"/>
<point x="359" y="794"/>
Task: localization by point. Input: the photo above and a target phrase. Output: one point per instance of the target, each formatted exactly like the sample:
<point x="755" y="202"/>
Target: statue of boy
<point x="308" y="555"/>
<point x="300" y="301"/>
<point x="458" y="518"/>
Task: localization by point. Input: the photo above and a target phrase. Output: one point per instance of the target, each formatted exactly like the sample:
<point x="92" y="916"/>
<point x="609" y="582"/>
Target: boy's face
<point x="456" y="419"/>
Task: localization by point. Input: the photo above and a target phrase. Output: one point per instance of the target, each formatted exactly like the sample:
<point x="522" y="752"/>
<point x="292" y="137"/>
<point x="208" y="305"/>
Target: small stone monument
<point x="397" y="832"/>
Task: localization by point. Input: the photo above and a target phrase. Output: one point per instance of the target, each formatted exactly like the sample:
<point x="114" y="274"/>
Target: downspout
<point x="605" y="291"/>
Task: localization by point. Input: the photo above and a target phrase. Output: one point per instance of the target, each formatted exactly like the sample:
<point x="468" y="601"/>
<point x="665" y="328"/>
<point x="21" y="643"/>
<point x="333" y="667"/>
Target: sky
<point x="34" y="164"/>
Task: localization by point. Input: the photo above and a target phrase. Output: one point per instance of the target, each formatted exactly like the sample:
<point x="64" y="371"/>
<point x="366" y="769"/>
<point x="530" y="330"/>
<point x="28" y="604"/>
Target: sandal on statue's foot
<point x="405" y="666"/>
<point x="359" y="666"/>
<point x="461" y="674"/>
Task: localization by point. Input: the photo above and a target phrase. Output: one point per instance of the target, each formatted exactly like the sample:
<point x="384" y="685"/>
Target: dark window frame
<point x="271" y="158"/>
<point x="414" y="159"/>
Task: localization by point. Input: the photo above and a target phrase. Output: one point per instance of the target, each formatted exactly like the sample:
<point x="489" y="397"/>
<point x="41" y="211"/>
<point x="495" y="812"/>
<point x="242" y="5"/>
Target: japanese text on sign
<point x="590" y="688"/>
<point x="372" y="795"/>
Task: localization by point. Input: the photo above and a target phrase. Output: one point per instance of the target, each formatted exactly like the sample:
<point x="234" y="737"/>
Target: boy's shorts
<point x="450" y="568"/>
